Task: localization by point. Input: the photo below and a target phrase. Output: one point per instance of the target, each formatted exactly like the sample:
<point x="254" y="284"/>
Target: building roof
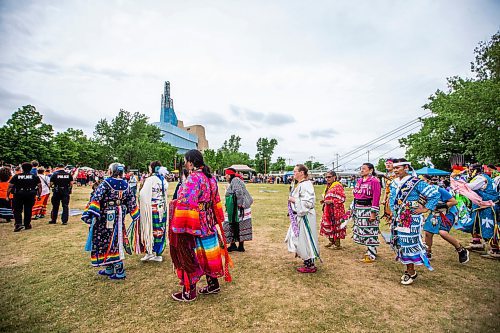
<point x="241" y="167"/>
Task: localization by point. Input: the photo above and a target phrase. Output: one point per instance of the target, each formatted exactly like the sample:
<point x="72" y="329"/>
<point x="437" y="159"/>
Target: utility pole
<point x="368" y="152"/>
<point x="333" y="165"/>
<point x="337" y="154"/>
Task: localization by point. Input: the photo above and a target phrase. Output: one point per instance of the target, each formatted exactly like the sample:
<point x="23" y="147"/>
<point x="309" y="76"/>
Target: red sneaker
<point x="307" y="269"/>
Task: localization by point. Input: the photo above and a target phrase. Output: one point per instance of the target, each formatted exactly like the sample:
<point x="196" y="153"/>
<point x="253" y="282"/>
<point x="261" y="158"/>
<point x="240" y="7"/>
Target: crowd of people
<point x="25" y="192"/>
<point x="194" y="222"/>
<point x="468" y="201"/>
<point x="201" y="235"/>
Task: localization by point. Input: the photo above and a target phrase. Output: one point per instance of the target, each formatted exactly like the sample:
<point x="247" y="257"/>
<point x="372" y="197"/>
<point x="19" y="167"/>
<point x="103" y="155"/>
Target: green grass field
<point x="48" y="285"/>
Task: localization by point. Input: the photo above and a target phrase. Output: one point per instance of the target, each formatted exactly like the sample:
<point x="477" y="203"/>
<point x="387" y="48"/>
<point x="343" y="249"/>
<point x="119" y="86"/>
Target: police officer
<point x="61" y="183"/>
<point x="25" y="187"/>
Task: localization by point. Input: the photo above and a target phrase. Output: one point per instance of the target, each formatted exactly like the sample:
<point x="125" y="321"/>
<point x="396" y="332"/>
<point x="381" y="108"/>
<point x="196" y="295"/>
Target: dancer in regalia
<point x="410" y="198"/>
<point x="302" y="236"/>
<point x="389" y="177"/>
<point x="105" y="213"/>
<point x="193" y="236"/>
<point x="441" y="220"/>
<point x="365" y="210"/>
<point x="485" y="219"/>
<point x="154" y="213"/>
<point x="333" y="211"/>
<point x="238" y="227"/>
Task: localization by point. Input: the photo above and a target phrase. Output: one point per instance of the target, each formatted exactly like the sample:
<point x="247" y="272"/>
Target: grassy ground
<point x="47" y="285"/>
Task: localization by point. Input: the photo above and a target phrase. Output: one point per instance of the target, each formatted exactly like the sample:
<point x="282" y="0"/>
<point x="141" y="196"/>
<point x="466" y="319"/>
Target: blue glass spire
<point x="167" y="114"/>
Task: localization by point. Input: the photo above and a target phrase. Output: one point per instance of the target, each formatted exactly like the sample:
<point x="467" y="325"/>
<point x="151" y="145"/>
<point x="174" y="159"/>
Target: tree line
<point x="128" y="138"/>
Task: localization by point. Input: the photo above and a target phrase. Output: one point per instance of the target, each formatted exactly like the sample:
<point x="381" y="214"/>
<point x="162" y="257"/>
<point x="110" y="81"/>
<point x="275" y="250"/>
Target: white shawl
<point x="152" y="189"/>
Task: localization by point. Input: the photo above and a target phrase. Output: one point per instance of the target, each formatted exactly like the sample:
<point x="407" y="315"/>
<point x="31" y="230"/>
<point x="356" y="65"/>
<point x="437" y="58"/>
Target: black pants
<point x="23" y="203"/>
<point x="57" y="199"/>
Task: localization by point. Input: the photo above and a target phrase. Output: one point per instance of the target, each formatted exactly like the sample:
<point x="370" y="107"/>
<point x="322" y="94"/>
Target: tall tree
<point x="131" y="140"/>
<point x="381" y="165"/>
<point x="487" y="62"/>
<point x="212" y="159"/>
<point x="227" y="155"/>
<point x="74" y="147"/>
<point x="465" y="118"/>
<point x="26" y="137"/>
<point x="279" y="165"/>
<point x="265" y="150"/>
<point x="232" y="145"/>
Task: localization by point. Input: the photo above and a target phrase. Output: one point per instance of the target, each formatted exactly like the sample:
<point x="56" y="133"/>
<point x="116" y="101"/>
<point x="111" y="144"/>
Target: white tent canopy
<point x="241" y="168"/>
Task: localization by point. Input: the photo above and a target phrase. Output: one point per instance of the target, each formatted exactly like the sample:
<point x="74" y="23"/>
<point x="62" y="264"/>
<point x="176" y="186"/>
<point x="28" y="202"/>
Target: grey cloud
<point x="279" y="119"/>
<point x="54" y="68"/>
<point x="11" y="102"/>
<point x="323" y="133"/>
<point x="254" y="114"/>
<point x="35" y="66"/>
<point x="327" y="144"/>
<point x="279" y="138"/>
<point x="235" y="110"/>
<point x="217" y="121"/>
<point x="109" y="72"/>
<point x="259" y="119"/>
<point x="6" y="97"/>
<point x="303" y="136"/>
<point x="12" y="19"/>
<point x="63" y="120"/>
<point x="211" y="118"/>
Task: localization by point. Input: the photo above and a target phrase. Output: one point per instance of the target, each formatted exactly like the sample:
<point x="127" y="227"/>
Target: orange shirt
<point x="3" y="190"/>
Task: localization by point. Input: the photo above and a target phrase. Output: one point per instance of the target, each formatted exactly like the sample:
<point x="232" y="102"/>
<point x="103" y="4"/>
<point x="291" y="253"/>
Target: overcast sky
<point x="322" y="77"/>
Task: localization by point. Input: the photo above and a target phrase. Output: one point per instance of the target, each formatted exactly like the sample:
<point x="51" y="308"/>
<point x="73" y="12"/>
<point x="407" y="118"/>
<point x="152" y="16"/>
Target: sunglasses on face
<point x="329" y="177"/>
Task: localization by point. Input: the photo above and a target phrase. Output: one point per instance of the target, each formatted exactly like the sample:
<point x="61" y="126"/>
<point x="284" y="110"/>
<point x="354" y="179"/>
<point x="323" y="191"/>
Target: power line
<point x="387" y="152"/>
<point x="382" y="137"/>
<point x="380" y="145"/>
<point x="397" y="137"/>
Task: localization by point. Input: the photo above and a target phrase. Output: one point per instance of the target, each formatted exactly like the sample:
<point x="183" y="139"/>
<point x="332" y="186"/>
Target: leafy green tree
<point x="26" y="137"/>
<point x="232" y="145"/>
<point x="279" y="165"/>
<point x="212" y="159"/>
<point x="465" y="118"/>
<point x="265" y="150"/>
<point x="317" y="166"/>
<point x="226" y="155"/>
<point x="487" y="62"/>
<point x="74" y="147"/>
<point x="381" y="165"/>
<point x="131" y="140"/>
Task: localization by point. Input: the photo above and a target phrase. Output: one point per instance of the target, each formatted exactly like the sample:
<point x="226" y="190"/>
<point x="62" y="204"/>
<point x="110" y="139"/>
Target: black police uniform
<point x="60" y="194"/>
<point x="25" y="190"/>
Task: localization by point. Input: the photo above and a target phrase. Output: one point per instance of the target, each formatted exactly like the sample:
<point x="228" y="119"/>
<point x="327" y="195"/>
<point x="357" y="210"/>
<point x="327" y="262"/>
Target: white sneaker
<point x="476" y="246"/>
<point x="408" y="279"/>
<point x="157" y="258"/>
<point x="147" y="257"/>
